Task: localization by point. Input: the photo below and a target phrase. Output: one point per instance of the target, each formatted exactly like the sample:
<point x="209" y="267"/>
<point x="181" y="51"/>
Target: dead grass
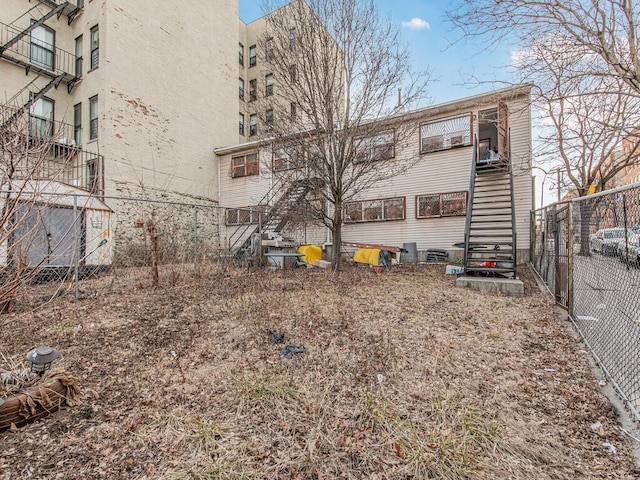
<point x="403" y="377"/>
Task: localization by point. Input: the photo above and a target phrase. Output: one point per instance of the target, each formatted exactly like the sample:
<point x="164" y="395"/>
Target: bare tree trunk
<point x="155" y="246"/>
<point x="336" y="232"/>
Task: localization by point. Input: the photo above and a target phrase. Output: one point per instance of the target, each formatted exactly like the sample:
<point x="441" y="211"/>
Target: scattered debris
<point x="381" y="378"/>
<point x="454" y="270"/>
<point x="610" y="447"/>
<point x="276" y="337"/>
<point x="290" y="350"/>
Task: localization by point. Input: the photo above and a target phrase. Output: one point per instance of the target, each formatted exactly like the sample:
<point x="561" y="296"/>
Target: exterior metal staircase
<point x="33" y="98"/>
<point x="490" y="233"/>
<point x="38" y="23"/>
<point x="16" y="45"/>
<point x="290" y="198"/>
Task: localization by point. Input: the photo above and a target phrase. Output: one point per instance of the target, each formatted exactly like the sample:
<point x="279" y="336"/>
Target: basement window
<point x="243" y="216"/>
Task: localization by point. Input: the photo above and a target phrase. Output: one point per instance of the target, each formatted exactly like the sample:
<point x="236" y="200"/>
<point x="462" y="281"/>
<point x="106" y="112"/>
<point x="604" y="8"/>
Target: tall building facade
<point x="133" y="95"/>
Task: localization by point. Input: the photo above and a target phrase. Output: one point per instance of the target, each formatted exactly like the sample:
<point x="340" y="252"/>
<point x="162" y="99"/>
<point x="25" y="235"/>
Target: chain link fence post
<point x="76" y="248"/>
<point x="601" y="233"/>
<point x="195" y="240"/>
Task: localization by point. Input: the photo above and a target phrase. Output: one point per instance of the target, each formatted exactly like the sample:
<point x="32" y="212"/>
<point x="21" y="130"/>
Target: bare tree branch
<point x="337" y="68"/>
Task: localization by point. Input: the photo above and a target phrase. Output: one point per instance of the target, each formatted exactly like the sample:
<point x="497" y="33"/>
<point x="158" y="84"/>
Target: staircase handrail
<point x="277" y="186"/>
<point x="472" y="183"/>
<point x="280" y="190"/>
<point x="12" y="40"/>
<point x="513" y="204"/>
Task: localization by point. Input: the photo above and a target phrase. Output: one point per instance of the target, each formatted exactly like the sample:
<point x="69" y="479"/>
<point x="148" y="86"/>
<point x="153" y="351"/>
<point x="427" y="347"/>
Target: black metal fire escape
<point x="290" y="199"/>
<point x="490" y="233"/>
<point x="33" y="98"/>
<point x="15" y="48"/>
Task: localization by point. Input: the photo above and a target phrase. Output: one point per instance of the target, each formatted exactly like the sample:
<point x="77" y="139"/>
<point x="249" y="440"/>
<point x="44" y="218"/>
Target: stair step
<point x="482" y="244"/>
<point x="489" y="249"/>
<point x="489" y="236"/>
<point x="481" y="170"/>
<point x="489" y="270"/>
<point x="480" y="231"/>
<point x="501" y="214"/>
<point x="501" y="220"/>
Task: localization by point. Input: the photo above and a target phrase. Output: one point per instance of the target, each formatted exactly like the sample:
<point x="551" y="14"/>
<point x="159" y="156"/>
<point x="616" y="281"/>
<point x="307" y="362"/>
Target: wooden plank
<point x="389" y="248"/>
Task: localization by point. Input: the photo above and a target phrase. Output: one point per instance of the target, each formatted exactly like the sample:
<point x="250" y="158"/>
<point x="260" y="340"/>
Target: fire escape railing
<point x="59" y="157"/>
<point x="39" y="56"/>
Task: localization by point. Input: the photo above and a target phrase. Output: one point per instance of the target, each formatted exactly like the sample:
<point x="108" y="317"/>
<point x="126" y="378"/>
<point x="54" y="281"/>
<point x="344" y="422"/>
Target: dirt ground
<point x="403" y="376"/>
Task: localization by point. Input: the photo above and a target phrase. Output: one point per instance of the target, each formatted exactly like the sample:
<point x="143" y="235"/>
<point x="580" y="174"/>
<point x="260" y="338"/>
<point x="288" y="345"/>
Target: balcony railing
<point x="44" y="57"/>
<point x="46" y="149"/>
<point x="71" y="10"/>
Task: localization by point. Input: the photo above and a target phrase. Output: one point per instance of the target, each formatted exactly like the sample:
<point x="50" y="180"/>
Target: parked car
<point x="605" y="241"/>
<point x="630" y="252"/>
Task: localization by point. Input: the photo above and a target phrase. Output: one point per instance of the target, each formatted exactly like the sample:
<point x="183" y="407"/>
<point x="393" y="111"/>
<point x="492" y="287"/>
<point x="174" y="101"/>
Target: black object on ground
<point x="276" y="337"/>
<point x="437" y="255"/>
<point x="290" y="350"/>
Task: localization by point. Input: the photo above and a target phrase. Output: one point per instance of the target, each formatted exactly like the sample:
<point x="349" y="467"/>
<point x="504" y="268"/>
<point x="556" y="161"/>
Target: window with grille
<point x="288" y="158"/>
<point x="243" y="216"/>
<point x="378" y="210"/>
<point x="241" y="54"/>
<point x="245" y="165"/>
<point x="268" y="117"/>
<point x="241" y="123"/>
<point x="380" y="146"/>
<point x="441" y="205"/>
<point x="446" y="133"/>
<point x="241" y="88"/>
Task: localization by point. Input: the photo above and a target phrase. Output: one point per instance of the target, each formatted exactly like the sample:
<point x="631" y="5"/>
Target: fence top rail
<point x="604" y="193"/>
<point x="105" y="198"/>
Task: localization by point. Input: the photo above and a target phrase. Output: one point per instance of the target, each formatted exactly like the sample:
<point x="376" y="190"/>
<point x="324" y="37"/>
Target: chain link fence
<point x="587" y="252"/>
<point x="56" y="243"/>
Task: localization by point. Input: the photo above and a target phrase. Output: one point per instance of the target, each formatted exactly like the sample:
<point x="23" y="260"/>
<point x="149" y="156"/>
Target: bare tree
<point x="584" y="118"/>
<point x="606" y="29"/>
<point x="332" y="72"/>
<point x="583" y="59"/>
<point x="30" y="158"/>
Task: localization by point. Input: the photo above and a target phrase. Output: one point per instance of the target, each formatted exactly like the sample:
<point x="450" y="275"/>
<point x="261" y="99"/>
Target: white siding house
<point x="425" y="204"/>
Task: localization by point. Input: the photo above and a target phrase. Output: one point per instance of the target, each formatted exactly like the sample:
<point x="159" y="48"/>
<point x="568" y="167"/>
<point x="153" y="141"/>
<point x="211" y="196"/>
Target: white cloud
<point x="417" y="24"/>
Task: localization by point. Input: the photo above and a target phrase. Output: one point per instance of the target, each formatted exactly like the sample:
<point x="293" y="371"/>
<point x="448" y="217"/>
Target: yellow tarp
<point x="367" y="255"/>
<point x="311" y="253"/>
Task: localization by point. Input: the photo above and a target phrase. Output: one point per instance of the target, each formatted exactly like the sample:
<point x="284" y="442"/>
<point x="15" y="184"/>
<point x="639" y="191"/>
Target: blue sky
<point x="429" y="37"/>
<point x="431" y="41"/>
